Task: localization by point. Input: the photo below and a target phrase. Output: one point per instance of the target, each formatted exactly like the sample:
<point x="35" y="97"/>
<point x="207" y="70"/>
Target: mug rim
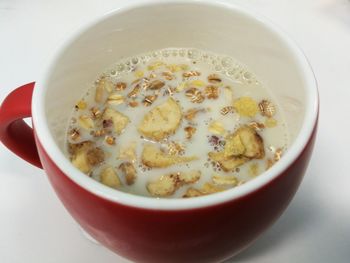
<point x="294" y="151"/>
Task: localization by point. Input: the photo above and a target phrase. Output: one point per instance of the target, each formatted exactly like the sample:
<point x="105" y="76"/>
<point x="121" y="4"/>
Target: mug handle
<point x="15" y="134"/>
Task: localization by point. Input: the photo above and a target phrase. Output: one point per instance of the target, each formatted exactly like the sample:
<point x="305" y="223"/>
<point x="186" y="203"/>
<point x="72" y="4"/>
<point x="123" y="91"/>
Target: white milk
<point x="233" y="75"/>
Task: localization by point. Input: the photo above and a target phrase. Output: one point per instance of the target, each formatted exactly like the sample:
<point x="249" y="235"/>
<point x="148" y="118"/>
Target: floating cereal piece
<point x="155" y="65"/>
<point x="81" y="105"/>
<point x="234" y="146"/>
<point x="95" y="156"/>
<point x="134" y="92"/>
<point x="194" y="95"/>
<point x="156" y="84"/>
<point x="191" y="113"/>
<point x="161" y="121"/>
<point x="99" y="133"/>
<point x="228" y="93"/>
<point x="148" y="100"/>
<point x="278" y="154"/>
<point x="110" y="178"/>
<point x="192" y="192"/>
<point x="133" y="103"/>
<point x="96" y="113"/>
<point x="115" y="99"/>
<point x="217" y="127"/>
<point x="110" y="140"/>
<point x="74" y="134"/>
<point x="129" y="172"/>
<point x="246" y="106"/>
<point x="270" y="123"/>
<point x="214" y="78"/>
<point x="168" y="75"/>
<point x="128" y="152"/>
<point x="120" y="121"/>
<point x="120" y="86"/>
<point x="252" y="141"/>
<point x="212" y="92"/>
<point x="254" y="169"/>
<point x="190" y="131"/>
<point x="86" y="122"/>
<point x="154" y="157"/>
<point x="227" y="110"/>
<point x="99" y="93"/>
<point x="196" y="83"/>
<point x="227" y="164"/>
<point x="225" y="180"/>
<point x="139" y="74"/>
<point x="180" y="87"/>
<point x="175" y="148"/>
<point x="177" y="67"/>
<point x="267" y="108"/>
<point x="191" y="74"/>
<point x="258" y="126"/>
<point x="209" y="188"/>
<point x="166" y="185"/>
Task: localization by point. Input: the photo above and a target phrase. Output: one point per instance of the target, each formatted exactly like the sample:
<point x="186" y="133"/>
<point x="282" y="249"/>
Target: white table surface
<point x="34" y="226"/>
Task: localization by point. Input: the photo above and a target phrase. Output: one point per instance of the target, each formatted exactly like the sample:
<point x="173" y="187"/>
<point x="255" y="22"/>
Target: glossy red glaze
<point x="15" y="134"/>
<point x="207" y="234"/>
<point x="199" y="235"/>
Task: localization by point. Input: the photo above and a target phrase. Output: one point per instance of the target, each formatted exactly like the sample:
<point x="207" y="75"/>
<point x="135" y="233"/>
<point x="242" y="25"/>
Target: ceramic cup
<point x="203" y="229"/>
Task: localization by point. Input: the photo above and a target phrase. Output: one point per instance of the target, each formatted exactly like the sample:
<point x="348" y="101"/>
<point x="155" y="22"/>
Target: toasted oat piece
<point x="85" y="155"/>
<point x="154" y="157"/>
<point x="167" y="184"/>
<point x="128" y="152"/>
<point x="227" y="163"/>
<point x="156" y="84"/>
<point x="161" y="121"/>
<point x="120" y="121"/>
<point x="267" y="108"/>
<point x="214" y="78"/>
<point x="225" y="180"/>
<point x="253" y="143"/>
<point x="110" y="178"/>
<point x="129" y="172"/>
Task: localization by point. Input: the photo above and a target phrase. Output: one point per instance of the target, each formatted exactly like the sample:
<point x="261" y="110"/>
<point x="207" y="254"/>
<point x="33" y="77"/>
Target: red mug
<point x="203" y="229"/>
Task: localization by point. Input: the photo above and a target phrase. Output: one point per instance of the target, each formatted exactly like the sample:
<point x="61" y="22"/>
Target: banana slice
<point x="110" y="178"/>
<point x="161" y="121"/>
<point x="153" y="157"/>
<point x="120" y="121"/>
<point x="85" y="155"/>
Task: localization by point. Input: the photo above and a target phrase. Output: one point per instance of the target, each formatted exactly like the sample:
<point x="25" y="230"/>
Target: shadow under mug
<point x="203" y="229"/>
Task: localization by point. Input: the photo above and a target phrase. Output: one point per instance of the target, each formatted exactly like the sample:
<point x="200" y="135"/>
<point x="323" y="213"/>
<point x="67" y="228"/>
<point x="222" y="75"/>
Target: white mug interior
<point x="219" y="28"/>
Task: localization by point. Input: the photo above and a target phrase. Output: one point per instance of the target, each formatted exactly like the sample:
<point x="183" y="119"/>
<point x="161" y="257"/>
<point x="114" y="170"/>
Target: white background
<point x="34" y="226"/>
